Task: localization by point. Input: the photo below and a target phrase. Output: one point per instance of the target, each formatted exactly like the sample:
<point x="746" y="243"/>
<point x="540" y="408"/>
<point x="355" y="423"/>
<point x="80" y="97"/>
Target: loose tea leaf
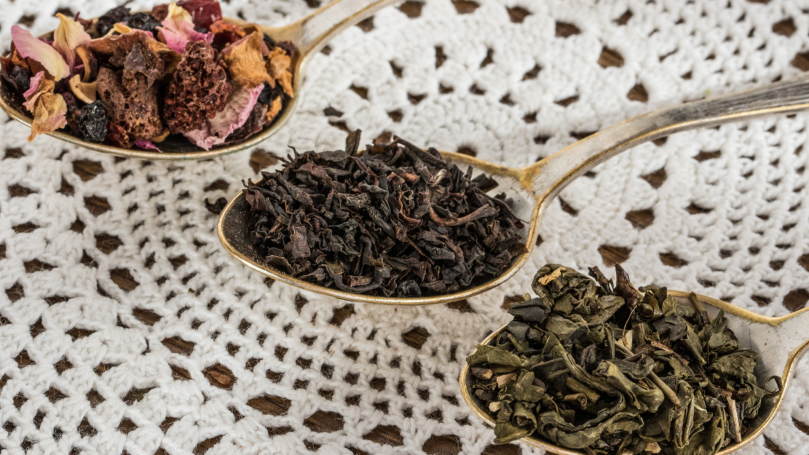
<point x="616" y="370"/>
<point x="393" y="220"/>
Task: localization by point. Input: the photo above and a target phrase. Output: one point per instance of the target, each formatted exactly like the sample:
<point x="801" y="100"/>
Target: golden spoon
<point x="532" y="188"/>
<point x="779" y="342"/>
<point x="309" y="35"/>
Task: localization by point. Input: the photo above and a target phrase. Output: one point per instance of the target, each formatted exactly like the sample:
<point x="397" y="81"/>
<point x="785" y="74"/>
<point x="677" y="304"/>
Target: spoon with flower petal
<point x="531" y="189"/>
<point x="779" y="342"/>
<point x="309" y="35"/>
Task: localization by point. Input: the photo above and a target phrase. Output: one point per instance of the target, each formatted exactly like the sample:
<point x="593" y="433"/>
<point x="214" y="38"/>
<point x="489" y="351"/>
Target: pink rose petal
<point x="233" y="116"/>
<point x="30" y="47"/>
<point x="178" y="32"/>
<point x="33" y="84"/>
<point x="146" y="145"/>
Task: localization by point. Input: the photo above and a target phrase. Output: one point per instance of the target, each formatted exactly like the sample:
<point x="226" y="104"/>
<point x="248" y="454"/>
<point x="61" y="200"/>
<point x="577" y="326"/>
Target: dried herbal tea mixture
<point x="616" y="370"/>
<point x="393" y="220"/>
<point x="134" y="79"/>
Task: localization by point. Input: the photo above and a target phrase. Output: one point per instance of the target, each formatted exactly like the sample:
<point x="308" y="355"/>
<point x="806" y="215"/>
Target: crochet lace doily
<point x="126" y="328"/>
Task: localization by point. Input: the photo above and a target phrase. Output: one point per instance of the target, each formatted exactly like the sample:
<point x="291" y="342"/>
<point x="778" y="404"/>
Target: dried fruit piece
<point x="226" y="33"/>
<point x="143" y="21"/>
<point x="131" y="103"/>
<point x="278" y="63"/>
<point x="114" y="49"/>
<point x="117" y="136"/>
<point x="31" y="47"/>
<point x="93" y="122"/>
<point x="141" y="63"/>
<point x="198" y="90"/>
<point x="67" y="37"/>
<point x="110" y="18"/>
<point x="245" y="62"/>
<point x="204" y="12"/>
<point x="233" y="116"/>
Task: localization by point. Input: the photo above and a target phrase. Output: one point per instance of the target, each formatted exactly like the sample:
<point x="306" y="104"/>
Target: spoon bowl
<point x="309" y="35"/>
<point x="779" y="342"/>
<point x="532" y="188"/>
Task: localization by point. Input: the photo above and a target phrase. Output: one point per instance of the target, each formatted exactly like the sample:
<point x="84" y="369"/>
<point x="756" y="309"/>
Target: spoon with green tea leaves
<point x="591" y="367"/>
<point x="418" y="226"/>
<point x="177" y="83"/>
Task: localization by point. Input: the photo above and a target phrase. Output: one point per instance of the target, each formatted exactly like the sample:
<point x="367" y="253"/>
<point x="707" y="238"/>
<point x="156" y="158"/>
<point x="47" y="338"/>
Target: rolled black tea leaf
<point x="394" y="220"/>
<point x="614" y="370"/>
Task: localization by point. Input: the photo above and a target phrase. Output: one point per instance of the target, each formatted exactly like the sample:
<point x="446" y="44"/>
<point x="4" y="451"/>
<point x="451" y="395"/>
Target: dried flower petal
<point x="49" y="114"/>
<point x="17" y="60"/>
<point x="33" y="85"/>
<point x="236" y="112"/>
<point x="178" y="29"/>
<point x="245" y="62"/>
<point x="85" y="91"/>
<point x="90" y="63"/>
<point x="198" y="90"/>
<point x="278" y="63"/>
<point x="30" y="47"/>
<point x="146" y="145"/>
<point x="41" y="85"/>
<point x="275" y="109"/>
<point x="254" y="124"/>
<point x="67" y="37"/>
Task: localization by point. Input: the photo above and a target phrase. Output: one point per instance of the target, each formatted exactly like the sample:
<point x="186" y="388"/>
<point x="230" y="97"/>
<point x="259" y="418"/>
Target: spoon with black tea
<point x="309" y="35"/>
<point x="779" y="342"/>
<point x="532" y="188"/>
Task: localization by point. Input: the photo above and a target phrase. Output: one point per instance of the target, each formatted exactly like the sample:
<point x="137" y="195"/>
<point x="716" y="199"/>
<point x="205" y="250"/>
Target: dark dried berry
<point x="110" y="18"/>
<point x="93" y="121"/>
<point x="19" y="77"/>
<point x="143" y="21"/>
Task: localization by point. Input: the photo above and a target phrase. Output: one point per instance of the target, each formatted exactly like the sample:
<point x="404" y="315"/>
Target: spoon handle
<point x="313" y="31"/>
<point x="552" y="174"/>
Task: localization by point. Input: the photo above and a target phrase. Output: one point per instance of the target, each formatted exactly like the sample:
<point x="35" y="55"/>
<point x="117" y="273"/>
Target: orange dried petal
<point x="274" y="109"/>
<point x="245" y="62"/>
<point x="278" y="64"/>
<point x="85" y="91"/>
<point x="50" y="114"/>
<point x="68" y="36"/>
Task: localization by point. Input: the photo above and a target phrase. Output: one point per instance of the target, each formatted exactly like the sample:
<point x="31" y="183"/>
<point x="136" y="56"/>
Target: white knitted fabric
<point x="102" y="260"/>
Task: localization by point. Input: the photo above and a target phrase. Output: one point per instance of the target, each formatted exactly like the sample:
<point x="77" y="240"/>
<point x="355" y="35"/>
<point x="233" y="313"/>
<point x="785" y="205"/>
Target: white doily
<point x="123" y="318"/>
